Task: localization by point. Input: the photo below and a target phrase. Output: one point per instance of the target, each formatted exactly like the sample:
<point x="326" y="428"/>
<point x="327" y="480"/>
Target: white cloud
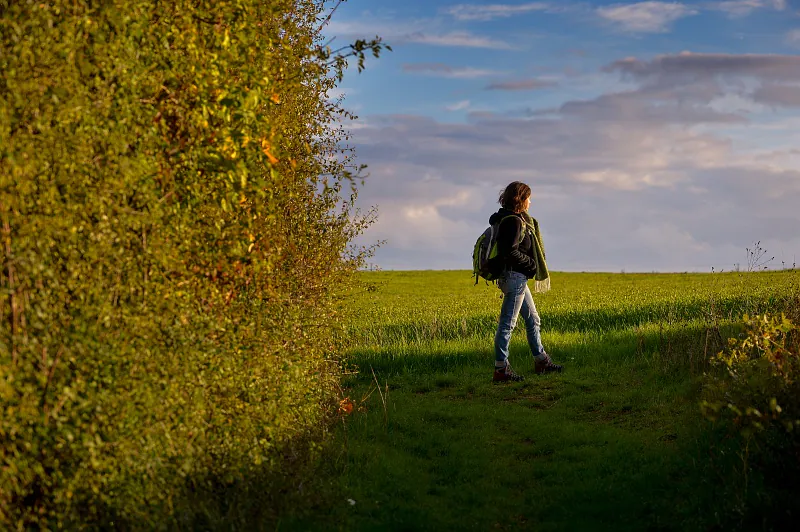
<point x="726" y="84"/>
<point x="738" y="8"/>
<point x="341" y="92"/>
<point x="458" y="106"/>
<point x="446" y="71"/>
<point x="418" y="216"/>
<point x="369" y="27"/>
<point x="636" y="196"/>
<point x="420" y="31"/>
<point x="778" y="95"/>
<point x="493" y="11"/>
<point x="666" y="175"/>
<point x="645" y="17"/>
<point x="462" y="39"/>
<point x="793" y="37"/>
<point x="521" y="85"/>
<point x="688" y="66"/>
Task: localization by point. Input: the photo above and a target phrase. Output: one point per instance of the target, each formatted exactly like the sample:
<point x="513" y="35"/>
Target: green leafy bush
<point x="174" y="252"/>
<point x="760" y="385"/>
<point x="754" y="396"/>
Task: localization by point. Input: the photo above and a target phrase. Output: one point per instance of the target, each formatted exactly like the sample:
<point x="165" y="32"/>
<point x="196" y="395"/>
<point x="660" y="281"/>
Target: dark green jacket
<point x="514" y="245"/>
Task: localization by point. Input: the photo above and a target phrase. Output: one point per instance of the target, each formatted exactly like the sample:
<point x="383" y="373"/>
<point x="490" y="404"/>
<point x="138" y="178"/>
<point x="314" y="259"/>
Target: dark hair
<point x="514" y="196"/>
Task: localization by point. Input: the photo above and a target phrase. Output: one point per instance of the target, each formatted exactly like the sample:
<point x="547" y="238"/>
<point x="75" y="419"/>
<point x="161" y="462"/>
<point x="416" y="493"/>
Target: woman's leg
<point x="513" y="286"/>
<point x="533" y="323"/>
<point x="544" y="364"/>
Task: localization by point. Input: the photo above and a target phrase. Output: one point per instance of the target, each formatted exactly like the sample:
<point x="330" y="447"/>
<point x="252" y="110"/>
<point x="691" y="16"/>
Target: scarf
<point x="542" y="278"/>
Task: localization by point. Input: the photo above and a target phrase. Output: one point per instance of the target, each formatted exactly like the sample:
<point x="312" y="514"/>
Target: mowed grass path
<point x="616" y="442"/>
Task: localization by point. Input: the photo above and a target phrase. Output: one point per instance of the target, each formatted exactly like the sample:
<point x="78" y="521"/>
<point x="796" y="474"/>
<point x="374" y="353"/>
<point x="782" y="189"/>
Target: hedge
<point x="176" y="242"/>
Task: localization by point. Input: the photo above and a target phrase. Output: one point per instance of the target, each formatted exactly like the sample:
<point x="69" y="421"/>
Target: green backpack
<point x="486" y="249"/>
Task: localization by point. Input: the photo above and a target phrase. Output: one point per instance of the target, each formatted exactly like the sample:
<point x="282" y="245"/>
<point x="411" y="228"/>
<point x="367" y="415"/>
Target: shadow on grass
<point x="627" y="429"/>
<point x="683" y="345"/>
<point x="586" y="320"/>
<point x="609" y="444"/>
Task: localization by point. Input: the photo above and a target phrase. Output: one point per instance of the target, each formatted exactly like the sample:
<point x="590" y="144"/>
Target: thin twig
<point x="383" y="398"/>
<point x="166" y="196"/>
<point x="12" y="296"/>
<point x="50" y="378"/>
<point x="328" y="18"/>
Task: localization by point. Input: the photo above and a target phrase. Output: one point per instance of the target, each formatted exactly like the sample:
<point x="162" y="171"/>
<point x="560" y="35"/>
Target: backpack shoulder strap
<point x="524" y="225"/>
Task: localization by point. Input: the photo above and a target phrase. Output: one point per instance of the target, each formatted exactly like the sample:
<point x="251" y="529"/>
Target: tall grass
<point x="406" y="312"/>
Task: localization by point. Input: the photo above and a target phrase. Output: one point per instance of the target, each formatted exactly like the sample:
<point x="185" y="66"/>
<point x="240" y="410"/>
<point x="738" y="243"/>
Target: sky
<point x="655" y="136"/>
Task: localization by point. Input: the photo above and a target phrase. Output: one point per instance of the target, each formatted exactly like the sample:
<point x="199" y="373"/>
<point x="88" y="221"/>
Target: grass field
<point x="616" y="442"/>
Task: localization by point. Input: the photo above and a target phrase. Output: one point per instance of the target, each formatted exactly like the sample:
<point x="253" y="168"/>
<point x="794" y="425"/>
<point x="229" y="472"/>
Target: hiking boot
<point x="546" y="365"/>
<point x="506" y="374"/>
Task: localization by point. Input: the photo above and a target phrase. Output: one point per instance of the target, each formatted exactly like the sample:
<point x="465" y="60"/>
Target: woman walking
<point x="520" y="257"/>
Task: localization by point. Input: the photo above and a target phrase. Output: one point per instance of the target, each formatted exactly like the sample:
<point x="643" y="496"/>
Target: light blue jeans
<point x="517" y="300"/>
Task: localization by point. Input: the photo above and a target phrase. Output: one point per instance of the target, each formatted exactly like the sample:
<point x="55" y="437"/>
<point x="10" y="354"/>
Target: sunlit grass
<point x="414" y="307"/>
